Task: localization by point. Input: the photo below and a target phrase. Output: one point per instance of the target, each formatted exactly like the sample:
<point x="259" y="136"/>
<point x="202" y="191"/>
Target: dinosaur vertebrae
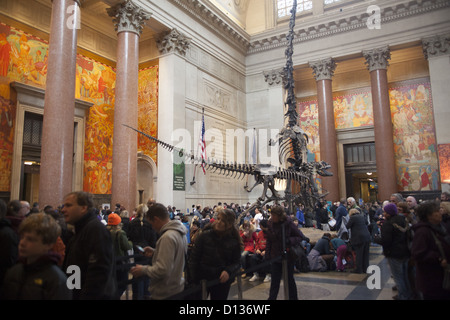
<point x="301" y="173"/>
<point x="237" y="170"/>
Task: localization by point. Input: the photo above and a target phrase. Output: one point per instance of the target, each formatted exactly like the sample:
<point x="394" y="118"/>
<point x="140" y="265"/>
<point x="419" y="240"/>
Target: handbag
<point x="446" y="281"/>
<point x="295" y="252"/>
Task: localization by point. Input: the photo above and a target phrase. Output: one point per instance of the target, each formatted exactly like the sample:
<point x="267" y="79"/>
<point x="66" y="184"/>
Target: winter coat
<point x="166" y="271"/>
<point x="9" y="242"/>
<point x="316" y="262"/>
<point x="141" y="233"/>
<point x="323" y="245"/>
<point x="214" y="253"/>
<point x="321" y="217"/>
<point x="249" y="241"/>
<point x="341" y="211"/>
<point x="274" y="247"/>
<point x="121" y="244"/>
<point x="393" y="240"/>
<point x="15" y="222"/>
<point x="261" y="241"/>
<point x="40" y="280"/>
<point x="359" y="233"/>
<point x="91" y="250"/>
<point x="425" y="252"/>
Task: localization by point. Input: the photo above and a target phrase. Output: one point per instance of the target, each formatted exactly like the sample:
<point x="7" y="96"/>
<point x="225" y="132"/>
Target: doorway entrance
<point x="31" y="156"/>
<point x="361" y="171"/>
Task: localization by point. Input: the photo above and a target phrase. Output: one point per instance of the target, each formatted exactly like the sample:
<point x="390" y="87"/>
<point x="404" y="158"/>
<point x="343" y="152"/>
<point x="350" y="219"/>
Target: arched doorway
<point x="146" y="178"/>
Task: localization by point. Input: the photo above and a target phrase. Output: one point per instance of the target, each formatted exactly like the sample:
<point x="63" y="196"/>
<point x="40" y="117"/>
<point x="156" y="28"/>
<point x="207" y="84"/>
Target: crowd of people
<point x="79" y="252"/>
<point x="415" y="238"/>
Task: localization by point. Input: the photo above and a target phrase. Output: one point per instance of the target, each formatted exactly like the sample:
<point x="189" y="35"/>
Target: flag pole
<point x="201" y="145"/>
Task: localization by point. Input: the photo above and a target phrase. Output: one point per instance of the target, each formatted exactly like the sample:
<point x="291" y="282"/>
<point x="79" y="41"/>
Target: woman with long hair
<point x="216" y="255"/>
<point x="281" y="228"/>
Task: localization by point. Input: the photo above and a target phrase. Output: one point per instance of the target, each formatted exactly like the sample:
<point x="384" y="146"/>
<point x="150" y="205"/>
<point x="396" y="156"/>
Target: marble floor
<point x="329" y="285"/>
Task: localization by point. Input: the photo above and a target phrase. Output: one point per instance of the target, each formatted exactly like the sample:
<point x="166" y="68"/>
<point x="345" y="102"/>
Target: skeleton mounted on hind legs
<point x="292" y="150"/>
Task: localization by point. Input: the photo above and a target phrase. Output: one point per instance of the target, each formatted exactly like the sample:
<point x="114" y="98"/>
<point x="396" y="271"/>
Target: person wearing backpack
<point x="393" y="239"/>
<point x="121" y="246"/>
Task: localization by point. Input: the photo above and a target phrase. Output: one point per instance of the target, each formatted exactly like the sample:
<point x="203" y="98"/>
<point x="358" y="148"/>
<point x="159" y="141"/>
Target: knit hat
<point x="391" y="209"/>
<point x="114" y="219"/>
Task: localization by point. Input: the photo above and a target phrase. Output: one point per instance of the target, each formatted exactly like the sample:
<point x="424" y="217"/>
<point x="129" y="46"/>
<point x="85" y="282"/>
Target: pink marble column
<point x="377" y="61"/>
<point x="59" y="107"/>
<point x="323" y="72"/>
<point x="128" y="18"/>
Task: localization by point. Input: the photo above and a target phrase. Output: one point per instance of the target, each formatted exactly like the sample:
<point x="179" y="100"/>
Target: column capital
<point x="323" y="69"/>
<point x="274" y="77"/>
<point x="435" y="46"/>
<point x="127" y="16"/>
<point x="377" y="58"/>
<point x="173" y="41"/>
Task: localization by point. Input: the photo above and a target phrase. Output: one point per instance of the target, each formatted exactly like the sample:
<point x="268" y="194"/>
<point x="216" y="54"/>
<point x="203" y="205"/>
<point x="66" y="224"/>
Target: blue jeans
<point x="399" y="270"/>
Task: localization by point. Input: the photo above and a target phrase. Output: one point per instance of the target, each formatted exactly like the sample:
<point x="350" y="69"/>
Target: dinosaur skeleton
<point x="292" y="149"/>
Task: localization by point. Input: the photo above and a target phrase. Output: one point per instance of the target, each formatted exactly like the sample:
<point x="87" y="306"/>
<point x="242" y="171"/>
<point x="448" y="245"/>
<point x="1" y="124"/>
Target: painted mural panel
<point x="7" y="119"/>
<point x="308" y="118"/>
<point x="413" y="124"/>
<point x="23" y="58"/>
<point x="444" y="162"/>
<point x="309" y="121"/>
<point x="95" y="82"/>
<point x="148" y="110"/>
<point x="415" y="145"/>
<point x="353" y="109"/>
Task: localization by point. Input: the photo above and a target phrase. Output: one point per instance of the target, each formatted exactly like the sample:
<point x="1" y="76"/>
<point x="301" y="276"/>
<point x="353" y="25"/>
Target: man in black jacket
<point x="89" y="250"/>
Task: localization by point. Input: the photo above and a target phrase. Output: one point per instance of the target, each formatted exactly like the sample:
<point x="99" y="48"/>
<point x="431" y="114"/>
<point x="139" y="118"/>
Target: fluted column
<point x="377" y="63"/>
<point x="128" y="19"/>
<point x="59" y="106"/>
<point x="323" y="71"/>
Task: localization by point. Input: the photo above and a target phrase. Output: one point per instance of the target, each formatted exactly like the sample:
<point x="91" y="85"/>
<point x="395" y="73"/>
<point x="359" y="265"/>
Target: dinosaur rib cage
<point x="237" y="170"/>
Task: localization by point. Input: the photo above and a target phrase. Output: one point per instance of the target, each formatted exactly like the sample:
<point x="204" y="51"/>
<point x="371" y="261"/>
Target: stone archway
<point x="146" y="178"/>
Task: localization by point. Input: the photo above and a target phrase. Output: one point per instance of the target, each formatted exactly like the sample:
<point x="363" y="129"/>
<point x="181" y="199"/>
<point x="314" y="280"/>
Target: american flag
<point x="202" y="143"/>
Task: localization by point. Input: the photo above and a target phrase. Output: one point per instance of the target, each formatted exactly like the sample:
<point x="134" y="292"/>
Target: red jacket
<point x="261" y="241"/>
<point x="249" y="242"/>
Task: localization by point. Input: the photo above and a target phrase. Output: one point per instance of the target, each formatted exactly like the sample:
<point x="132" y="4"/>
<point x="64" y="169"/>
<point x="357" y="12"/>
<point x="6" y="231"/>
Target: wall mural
<point x="413" y="125"/>
<point x="95" y="83"/>
<point x="148" y="110"/>
<point x="415" y="145"/>
<point x="353" y="109"/>
<point x="23" y="58"/>
<point x="308" y="117"/>
<point x="444" y="162"/>
<point x="7" y="118"/>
